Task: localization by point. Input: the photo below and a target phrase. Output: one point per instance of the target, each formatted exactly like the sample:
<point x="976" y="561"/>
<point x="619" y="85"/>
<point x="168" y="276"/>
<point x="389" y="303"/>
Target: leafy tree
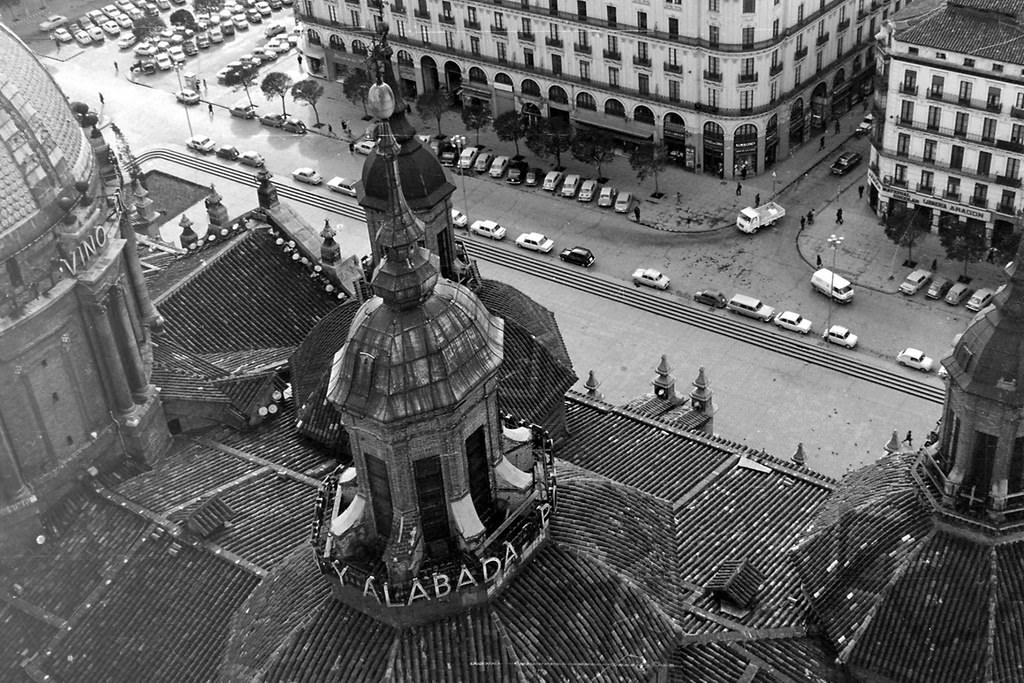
<point x="476" y="116"/>
<point x="903" y="227"/>
<point x="276" y="84"/>
<point x="1006" y="246"/>
<point x="147" y="27"/>
<point x="309" y="91"/>
<point x="357" y="86"/>
<point x="182" y="17"/>
<point x="432" y="104"/>
<point x="961" y="241"/>
<point x="550" y="136"/>
<point x="510" y="127"/>
<point x="244" y="77"/>
<point x="594" y="146"/>
<point x="649" y="160"/>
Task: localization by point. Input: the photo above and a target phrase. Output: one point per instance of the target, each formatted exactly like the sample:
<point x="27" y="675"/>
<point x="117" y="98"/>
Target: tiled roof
<point x="21" y="637"/>
<point x="712" y="662"/>
<point x="248" y="360"/>
<point x="168" y="271"/>
<point x="982" y="28"/>
<point x="276" y="441"/>
<point x="247" y="391"/>
<point x="250" y="297"/>
<point x="754" y="656"/>
<point x="512" y="305"/>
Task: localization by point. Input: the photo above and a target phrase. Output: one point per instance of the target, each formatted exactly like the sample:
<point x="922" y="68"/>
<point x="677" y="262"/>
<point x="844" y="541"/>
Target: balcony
<point x="951" y="194"/>
<point x="1008" y="181"/>
<point x="582" y="48"/>
<point x="526" y="36"/>
<point x="612" y="55"/>
<point x="710" y="108"/>
<point x="1006" y="207"/>
<point x="715" y="76"/>
<point x="748" y="78"/>
<point x="898" y="182"/>
<point x="775" y="70"/>
<point x="422" y="14"/>
<point x="822" y="39"/>
<point x="801" y="53"/>
<point x="982" y="202"/>
<point x="926" y="189"/>
<point x="844" y="24"/>
<point x="471" y="25"/>
<point x="447" y="19"/>
<point x="553" y="42"/>
<point x="642" y="61"/>
<point x="499" y="30"/>
<point x="673" y="68"/>
<point x="934" y="94"/>
<point x="1017" y="112"/>
<point x="994" y="106"/>
<point x="398" y="8"/>
<point x="1011" y="145"/>
<point x="908" y="88"/>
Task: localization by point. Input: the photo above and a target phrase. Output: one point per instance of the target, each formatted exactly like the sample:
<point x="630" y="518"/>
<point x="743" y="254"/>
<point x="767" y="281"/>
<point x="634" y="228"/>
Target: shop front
<point x="796" y="123"/>
<point x="744" y="145"/>
<point x="714" y="149"/>
<point x="674" y="134"/>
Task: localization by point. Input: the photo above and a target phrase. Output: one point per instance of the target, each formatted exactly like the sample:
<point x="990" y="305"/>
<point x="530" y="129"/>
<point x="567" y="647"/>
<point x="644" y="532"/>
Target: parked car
<point x="958" y="293"/>
<point x="581" y="256"/>
<point x="365" y="147"/>
<point x="274" y="30"/>
<point x="650" y="278"/>
<point x="571" y="185"/>
<point x="606" y="198"/>
<point x="342" y="186"/>
<point x="263" y="8"/>
<point x="792" y="321"/>
<point x="176" y="54"/>
<point x="913" y="358"/>
<point x="293" y="125"/>
<point x="587" y="190"/>
<point x="865" y="126"/>
<point x="162" y="5"/>
<point x="459" y="219"/>
<point x="751" y="307"/>
<point x="264" y="55"/>
<point x="498" y="167"/>
<point x="272" y="120"/>
<point x="516" y="172"/>
<point x="239" y="22"/>
<point x="623" y="203"/>
<point x="710" y="297"/>
<point x="123" y="21"/>
<point x="81" y="37"/>
<point x="144" y="66"/>
<point x="201" y="144"/>
<point x="552" y="180"/>
<point x="251" y="158"/>
<point x="938" y="288"/>
<point x="53" y="22"/>
<point x="466" y="159"/>
<point x="533" y="177"/>
<point x="845" y="163"/>
<point x="216" y="34"/>
<point x="110" y="28"/>
<point x="145" y="49"/>
<point x="982" y="298"/>
<point x="63" y="35"/>
<point x="253" y="16"/>
<point x="837" y="334"/>
<point x="915" y="281"/>
<point x="189" y="48"/>
<point x="229" y="152"/>
<point x="307" y="175"/>
<point x="535" y="241"/>
<point x="243" y="111"/>
<point x="483" y="162"/>
<point x="488" y="228"/>
<point x="187" y="96"/>
<point x="96" y="33"/>
<point x="227" y="28"/>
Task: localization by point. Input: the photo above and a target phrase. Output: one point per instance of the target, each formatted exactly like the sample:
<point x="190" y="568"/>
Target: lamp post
<point x="188" y="119"/>
<point x="834" y="242"/>
<point x="774" y="178"/>
<point x="460" y="141"/>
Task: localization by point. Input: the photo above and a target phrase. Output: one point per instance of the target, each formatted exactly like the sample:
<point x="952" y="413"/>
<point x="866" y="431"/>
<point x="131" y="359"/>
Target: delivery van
<point x="829" y="283"/>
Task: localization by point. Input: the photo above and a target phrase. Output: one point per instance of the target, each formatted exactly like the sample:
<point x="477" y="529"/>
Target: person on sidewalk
<point x="636" y="213"/>
<point x="860" y="191"/>
<point x="817" y="260"/>
<point x="839" y="216"/>
<point x="739" y="189"/>
<point x="330" y="129"/>
<point x="837" y="127"/>
<point x="117" y="69"/>
<point x="821" y="143"/>
<point x="909" y="439"/>
<point x="803" y="222"/>
<point x="102" y="101"/>
<point x="757" y="199"/>
<point x="935" y="264"/>
<point x="351" y="147"/>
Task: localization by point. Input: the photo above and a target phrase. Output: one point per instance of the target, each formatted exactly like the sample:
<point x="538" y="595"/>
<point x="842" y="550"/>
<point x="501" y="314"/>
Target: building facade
<point x="949" y="119"/>
<point x="725" y="84"/>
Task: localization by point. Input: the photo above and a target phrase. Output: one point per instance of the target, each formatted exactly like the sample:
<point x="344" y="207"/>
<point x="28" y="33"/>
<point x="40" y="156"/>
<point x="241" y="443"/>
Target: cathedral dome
<point x="423" y="179"/>
<point x="43" y="148"/>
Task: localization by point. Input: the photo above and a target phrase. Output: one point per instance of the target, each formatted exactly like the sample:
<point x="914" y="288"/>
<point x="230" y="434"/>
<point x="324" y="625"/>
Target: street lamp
<point x="834" y="242"/>
<point x="188" y="119"/>
<point x="774" y="178"/>
<point x="460" y="141"/>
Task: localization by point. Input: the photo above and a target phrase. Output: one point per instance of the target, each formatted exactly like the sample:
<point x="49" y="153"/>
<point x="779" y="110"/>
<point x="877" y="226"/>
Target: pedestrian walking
<point x="909" y="439"/>
<point x="839" y="216"/>
<point x="117" y="69"/>
<point x="810" y="216"/>
<point x="821" y="143"/>
<point x="210" y="106"/>
<point x="299" y="57"/>
<point x="344" y="126"/>
<point x="860" y="191"/>
<point x="743" y="171"/>
<point x="636" y="213"/>
<point x="837" y="127"/>
<point x="935" y="264"/>
<point x="818" y="260"/>
<point x="679" y="199"/>
<point x="803" y="222"/>
<point x="991" y="255"/>
<point x="739" y="189"/>
<point x="757" y="199"/>
<point x="204" y="86"/>
<point x="330" y="129"/>
<point x="102" y="101"/>
<point x="351" y="147"/>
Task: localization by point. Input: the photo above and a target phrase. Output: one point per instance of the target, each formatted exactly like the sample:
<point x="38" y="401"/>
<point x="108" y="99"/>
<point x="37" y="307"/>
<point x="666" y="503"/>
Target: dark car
<point x="447" y="153"/>
<point x="581" y="256"/>
<point x="711" y="298"/>
<point x="291" y="125"/>
<point x="253" y="16"/>
<point x="247" y="111"/>
<point x="272" y="120"/>
<point x="227" y="28"/>
<point x="534" y="176"/>
<point x="147" y="66"/>
<point x="229" y="152"/>
<point x="939" y="288"/>
<point x="517" y="172"/>
<point x="845" y="162"/>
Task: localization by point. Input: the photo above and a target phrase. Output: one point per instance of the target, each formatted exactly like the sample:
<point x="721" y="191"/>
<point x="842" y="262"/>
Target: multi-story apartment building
<point x="949" y="123"/>
<point x="723" y="83"/>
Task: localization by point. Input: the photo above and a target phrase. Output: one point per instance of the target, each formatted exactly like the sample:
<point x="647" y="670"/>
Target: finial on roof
<point x="188" y="237"/>
<point x="663" y="367"/>
<point x="591" y="386"/>
<point x="701" y="382"/>
<point x="893" y="444"/>
<point x="799" y="457"/>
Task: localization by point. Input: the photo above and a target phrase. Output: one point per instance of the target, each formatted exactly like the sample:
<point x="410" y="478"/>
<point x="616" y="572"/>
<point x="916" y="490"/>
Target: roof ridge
<point x="232" y="244"/>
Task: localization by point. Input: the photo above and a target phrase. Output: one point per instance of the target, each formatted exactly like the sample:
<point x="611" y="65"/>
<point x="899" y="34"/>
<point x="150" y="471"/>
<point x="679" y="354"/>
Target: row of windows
<point x="965" y="92"/>
<point x="932" y="152"/>
<point x="968" y="62"/>
<point x="980" y="195"/>
<point x="962" y="122"/>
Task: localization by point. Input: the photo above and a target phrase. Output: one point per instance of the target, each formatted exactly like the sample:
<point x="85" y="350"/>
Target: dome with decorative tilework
<point x="43" y="148"/>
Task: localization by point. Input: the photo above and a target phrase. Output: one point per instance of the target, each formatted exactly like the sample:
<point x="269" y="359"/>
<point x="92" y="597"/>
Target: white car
<point x="365" y="146"/>
<point x="163" y="61"/>
<point x="571" y="185"/>
<point x="96" y="33"/>
<point x="187" y="96"/>
<point x="913" y="358"/>
<point x="110" y="28"/>
<point x="63" y="35"/>
<point x="251" y="158"/>
<point x="201" y="144"/>
<point x="915" y="281"/>
<point x="126" y="41"/>
<point x="552" y="180"/>
<point x="624" y="203"/>
<point x="982" y="298"/>
<point x="535" y="241"/>
<point x="794" y="322"/>
<point x="459" y="219"/>
<point x="650" y="278"/>
<point x="607" y="197"/>
<point x="837" y="334"/>
<point x="488" y="229"/>
<point x="499" y="166"/>
<point x="342" y="186"/>
<point x="176" y="54"/>
<point x="81" y="37"/>
<point x="53" y="22"/>
<point x="307" y="175"/>
<point x="123" y="21"/>
<point x="587" y="190"/>
<point x="145" y="49"/>
<point x="865" y="126"/>
<point x="263" y="8"/>
<point x="216" y="35"/>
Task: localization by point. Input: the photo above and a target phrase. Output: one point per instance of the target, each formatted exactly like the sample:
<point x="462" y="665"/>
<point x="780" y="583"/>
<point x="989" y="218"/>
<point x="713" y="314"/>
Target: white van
<point x="750" y="307"/>
<point x="826" y="282"/>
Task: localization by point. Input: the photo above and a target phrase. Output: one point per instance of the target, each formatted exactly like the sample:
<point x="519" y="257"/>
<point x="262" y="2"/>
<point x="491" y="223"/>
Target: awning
<point x="350" y="517"/>
<point x="477" y="88"/>
<point x="619" y="129"/>
<point x="466" y="519"/>
<point x="509" y="474"/>
<point x="594" y="119"/>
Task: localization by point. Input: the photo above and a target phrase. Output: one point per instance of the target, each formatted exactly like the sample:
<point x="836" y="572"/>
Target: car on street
<point x="587" y="190"/>
<point x="839" y="335"/>
<point x="163" y="61"/>
<point x="96" y="33"/>
<point x="552" y="180"/>
<point x="176" y="54"/>
<point x="216" y="34"/>
<point x="239" y="22"/>
<point x="251" y="158"/>
<point x="845" y="163"/>
<point x="710" y="297"/>
<point x="982" y="298"/>
<point x="144" y="66"/>
<point x="201" y="144"/>
<point x="203" y="40"/>
<point x="243" y="111"/>
<point x="650" y="277"/>
<point x="126" y="41"/>
<point x="498" y="167"/>
<point x="342" y="186"/>
<point x="187" y="96"/>
<point x="364" y="147"/>
<point x="229" y="152"/>
<point x="264" y="9"/>
<point x="581" y="256"/>
<point x="865" y="126"/>
<point x="459" y="219"/>
<point x="958" y="293"/>
<point x="534" y="176"/>
<point x="145" y="49"/>
<point x="914" y="358"/>
<point x="535" y="241"/>
<point x="123" y="21"/>
<point x="483" y="162"/>
<point x="624" y="202"/>
<point x="81" y="37"/>
<point x="53" y="22"/>
<point x="488" y="228"/>
<point x="110" y="28"/>
<point x="63" y="35"/>
<point x="307" y="175"/>
<point x="272" y="120"/>
<point x="917" y="279"/>
<point x="792" y="321"/>
<point x="516" y="172"/>
<point x="606" y="198"/>
<point x="938" y="288"/>
<point x="293" y="125"/>
<point x="253" y="16"/>
<point x="274" y="30"/>
<point x="571" y="185"/>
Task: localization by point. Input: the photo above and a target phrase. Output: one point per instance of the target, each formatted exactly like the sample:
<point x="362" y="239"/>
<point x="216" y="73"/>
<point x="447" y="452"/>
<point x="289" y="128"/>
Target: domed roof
<point x="423" y="179"/>
<point x="43" y="148"/>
